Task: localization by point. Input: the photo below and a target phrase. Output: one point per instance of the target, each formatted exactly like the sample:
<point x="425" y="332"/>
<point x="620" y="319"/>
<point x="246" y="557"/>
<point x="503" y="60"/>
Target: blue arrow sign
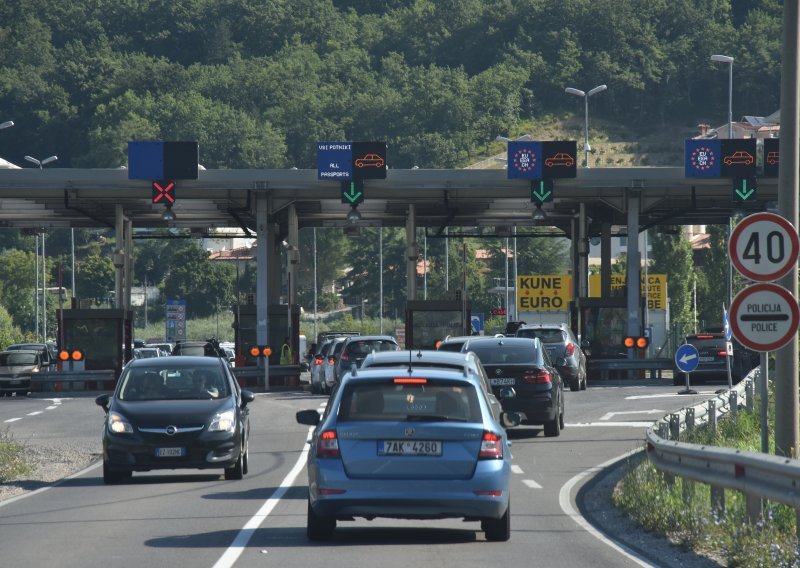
<point x="687" y="357"/>
<point x="726" y="322"/>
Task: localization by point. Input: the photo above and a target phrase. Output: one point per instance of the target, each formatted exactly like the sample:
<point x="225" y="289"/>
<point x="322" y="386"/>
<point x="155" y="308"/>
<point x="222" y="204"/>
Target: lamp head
<point x="538" y="214"/>
<point x="168" y="214"/>
<point x="722" y="59"/>
<point x="353" y="216"/>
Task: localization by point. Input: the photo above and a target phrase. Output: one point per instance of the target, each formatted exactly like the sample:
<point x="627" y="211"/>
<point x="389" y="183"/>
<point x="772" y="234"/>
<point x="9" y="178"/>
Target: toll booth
<point x="104" y="336"/>
<point x="279" y="324"/>
<point x="429" y="321"/>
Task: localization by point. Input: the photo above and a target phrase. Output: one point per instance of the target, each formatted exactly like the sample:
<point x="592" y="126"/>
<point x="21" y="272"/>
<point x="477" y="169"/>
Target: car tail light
<point x="491" y="447"/>
<point x="570" y="350"/>
<point x="722" y="353"/>
<point x="331" y="360"/>
<point x="318" y="361"/>
<point x="704" y="336"/>
<point x="345" y="356"/>
<point x="537" y="377"/>
<point x="410" y="381"/>
<point x="328" y="445"/>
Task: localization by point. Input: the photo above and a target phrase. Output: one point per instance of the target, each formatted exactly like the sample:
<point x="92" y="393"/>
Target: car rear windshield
<point x="494" y="354"/>
<point x="546" y="335"/>
<point x="366" y="346"/>
<point x="17" y="359"/>
<point x="451" y="346"/>
<point x="173" y="383"/>
<point x="716" y="342"/>
<point x="389" y="401"/>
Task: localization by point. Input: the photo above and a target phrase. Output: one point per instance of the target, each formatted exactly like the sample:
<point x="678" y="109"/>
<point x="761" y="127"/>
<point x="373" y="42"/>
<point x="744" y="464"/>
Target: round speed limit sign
<point x="764" y="247"/>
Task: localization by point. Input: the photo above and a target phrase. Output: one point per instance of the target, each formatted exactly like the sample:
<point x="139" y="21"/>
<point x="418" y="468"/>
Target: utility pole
<point x="786" y="367"/>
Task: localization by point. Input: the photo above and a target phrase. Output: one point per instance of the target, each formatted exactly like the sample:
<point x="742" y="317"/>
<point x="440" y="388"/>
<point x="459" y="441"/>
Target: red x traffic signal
<point x="164" y="192"/>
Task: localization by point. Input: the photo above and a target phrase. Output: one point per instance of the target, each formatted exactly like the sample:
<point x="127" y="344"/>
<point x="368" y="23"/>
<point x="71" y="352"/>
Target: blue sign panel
<point x="687" y="357"/>
<point x="334" y="160"/>
<point x="146" y="160"/>
<point x="702" y="158"/>
<point x="477" y="321"/>
<point x="524" y="160"/>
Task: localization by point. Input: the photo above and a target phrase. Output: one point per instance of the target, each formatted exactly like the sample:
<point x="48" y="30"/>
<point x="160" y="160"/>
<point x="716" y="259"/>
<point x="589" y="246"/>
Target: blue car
<point x="408" y="443"/>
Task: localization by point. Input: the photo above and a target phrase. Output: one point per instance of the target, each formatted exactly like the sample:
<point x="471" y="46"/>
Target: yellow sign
<point x="546" y="292"/>
<point x="656" y="292"/>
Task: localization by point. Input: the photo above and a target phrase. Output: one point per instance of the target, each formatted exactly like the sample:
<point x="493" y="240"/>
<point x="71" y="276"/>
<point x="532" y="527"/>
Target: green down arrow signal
<point x="351" y="194"/>
<point x="541" y="190"/>
<point x="745" y="193"/>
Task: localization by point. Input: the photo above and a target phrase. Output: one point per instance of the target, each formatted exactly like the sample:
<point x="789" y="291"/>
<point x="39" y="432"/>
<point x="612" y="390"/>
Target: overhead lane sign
<point x="729" y="158"/>
<point x="542" y="160"/>
<point x="344" y="161"/>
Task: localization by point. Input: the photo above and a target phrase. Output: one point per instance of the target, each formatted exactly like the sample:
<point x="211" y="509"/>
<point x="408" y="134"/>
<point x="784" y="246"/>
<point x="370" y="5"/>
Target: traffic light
<point x="164" y="192"/>
<point x="541" y="191"/>
<point x="71" y="355"/>
<point x="637" y="342"/>
<point x="260" y="351"/>
<point x="352" y="192"/>
<point x="744" y="189"/>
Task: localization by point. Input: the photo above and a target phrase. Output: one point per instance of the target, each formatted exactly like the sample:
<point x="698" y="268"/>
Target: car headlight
<point x="118" y="424"/>
<point x="223" y="422"/>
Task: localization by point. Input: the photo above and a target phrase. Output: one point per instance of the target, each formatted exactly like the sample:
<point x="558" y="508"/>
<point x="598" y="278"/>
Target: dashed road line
<point x="531" y="484"/>
<point x="13" y="419"/>
<point x="34" y="413"/>
<point x="516" y="469"/>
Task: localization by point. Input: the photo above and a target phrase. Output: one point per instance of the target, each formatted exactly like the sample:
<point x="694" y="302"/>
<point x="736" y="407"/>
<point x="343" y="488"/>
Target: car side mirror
<point x="308" y="417"/>
<point x="247" y="397"/>
<point x="102" y="400"/>
<point x="560" y="362"/>
<point x="510" y="419"/>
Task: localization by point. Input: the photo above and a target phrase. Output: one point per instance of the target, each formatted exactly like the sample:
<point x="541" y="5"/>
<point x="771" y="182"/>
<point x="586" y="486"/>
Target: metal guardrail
<point x="70" y="380"/>
<point x="757" y="475"/>
<point x="654" y="365"/>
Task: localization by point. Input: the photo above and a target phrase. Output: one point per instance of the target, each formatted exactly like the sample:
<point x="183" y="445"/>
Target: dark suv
<point x="209" y="348"/>
<point x="712" y="365"/>
<point x="563" y="347"/>
<point x="355" y="350"/>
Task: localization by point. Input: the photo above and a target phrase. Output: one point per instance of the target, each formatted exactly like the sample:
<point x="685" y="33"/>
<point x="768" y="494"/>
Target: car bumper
<point x="210" y="450"/>
<point x="537" y="408"/>
<point x="14" y="384"/>
<point x="410" y="499"/>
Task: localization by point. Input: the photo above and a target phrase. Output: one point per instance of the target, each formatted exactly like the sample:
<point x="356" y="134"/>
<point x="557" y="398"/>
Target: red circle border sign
<point x="737" y="232"/>
<point x="748" y="341"/>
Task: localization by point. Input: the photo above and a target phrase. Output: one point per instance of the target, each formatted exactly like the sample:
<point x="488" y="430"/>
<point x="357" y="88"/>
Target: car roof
<point x="416" y="372"/>
<point x="371" y="337"/>
<point x="416" y="356"/>
<point x="34" y="351"/>
<point x="510" y="341"/>
<point x="176" y="361"/>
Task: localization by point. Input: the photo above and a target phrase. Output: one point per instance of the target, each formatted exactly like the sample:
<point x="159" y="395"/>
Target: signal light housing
<point x="71" y="355"/>
<point x="637" y="342"/>
<point x="260" y="351"/>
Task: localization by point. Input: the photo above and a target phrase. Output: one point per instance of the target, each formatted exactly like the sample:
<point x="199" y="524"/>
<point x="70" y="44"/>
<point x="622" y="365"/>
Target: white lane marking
<point x="34" y="413"/>
<point x="610" y="415"/>
<point x="13" y="419"/>
<point x="51" y="407"/>
<point x="54" y="484"/>
<point x="235" y="550"/>
<point x="565" y="501"/>
<point x="531" y="484"/>
<point x="595" y="424"/>
<point x="516" y="469"/>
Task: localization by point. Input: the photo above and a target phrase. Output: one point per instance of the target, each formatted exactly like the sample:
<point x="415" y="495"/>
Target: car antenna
<point x="410" y="370"/>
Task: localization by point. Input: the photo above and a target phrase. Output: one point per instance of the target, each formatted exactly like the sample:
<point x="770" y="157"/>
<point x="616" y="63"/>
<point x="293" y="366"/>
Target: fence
<point x="757" y="475"/>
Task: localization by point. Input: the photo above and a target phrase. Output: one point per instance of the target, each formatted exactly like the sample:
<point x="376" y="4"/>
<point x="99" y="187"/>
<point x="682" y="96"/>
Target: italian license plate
<point x="15" y="382"/>
<point x="501" y="381"/>
<point x="409" y="448"/>
<point x="706" y="359"/>
<point x="170" y="452"/>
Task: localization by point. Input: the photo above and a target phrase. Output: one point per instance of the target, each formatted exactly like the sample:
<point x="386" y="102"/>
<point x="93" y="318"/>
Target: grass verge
<point x="12" y="460"/>
<point x="681" y="510"/>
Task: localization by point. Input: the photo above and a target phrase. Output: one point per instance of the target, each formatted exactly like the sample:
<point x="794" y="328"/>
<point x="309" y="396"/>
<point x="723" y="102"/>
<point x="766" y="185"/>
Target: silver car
<point x="16" y="368"/>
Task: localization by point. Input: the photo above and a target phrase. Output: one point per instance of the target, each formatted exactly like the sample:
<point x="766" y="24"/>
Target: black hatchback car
<point x="562" y="346"/>
<point x="523" y="366"/>
<point x="175" y="413"/>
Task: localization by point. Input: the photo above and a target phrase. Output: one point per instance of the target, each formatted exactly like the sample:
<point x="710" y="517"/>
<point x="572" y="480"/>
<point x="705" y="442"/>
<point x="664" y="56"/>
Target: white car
<point x="318" y="367"/>
<point x="329" y="365"/>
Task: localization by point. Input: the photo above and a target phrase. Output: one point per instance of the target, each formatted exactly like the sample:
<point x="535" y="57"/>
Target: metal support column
<point x="605" y="260"/>
<point x="583" y="253"/>
<point x="262" y="254"/>
<point x="411" y="255"/>
<point x="633" y="279"/>
<point x="292" y="265"/>
<point x="126" y="300"/>
<point x="119" y="256"/>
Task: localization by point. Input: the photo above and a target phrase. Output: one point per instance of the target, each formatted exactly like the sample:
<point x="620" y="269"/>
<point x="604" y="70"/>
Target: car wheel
<point x="319" y="527"/>
<point x="111" y="477"/>
<point x="575" y="384"/>
<point x="22" y="393"/>
<point x="498" y="530"/>
<point x="237" y="471"/>
<point x="552" y="428"/>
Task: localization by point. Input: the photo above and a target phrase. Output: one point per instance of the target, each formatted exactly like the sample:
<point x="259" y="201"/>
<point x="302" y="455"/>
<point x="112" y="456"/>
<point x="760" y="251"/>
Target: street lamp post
<point x="729" y="61"/>
<point x="6" y="124"/>
<point x="579" y="93"/>
<point x="41" y="163"/>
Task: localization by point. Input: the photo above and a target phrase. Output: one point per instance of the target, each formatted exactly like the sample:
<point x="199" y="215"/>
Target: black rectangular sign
<point x="369" y="160"/>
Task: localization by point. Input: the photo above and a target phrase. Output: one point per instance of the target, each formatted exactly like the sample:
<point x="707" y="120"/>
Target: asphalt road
<point x="195" y="518"/>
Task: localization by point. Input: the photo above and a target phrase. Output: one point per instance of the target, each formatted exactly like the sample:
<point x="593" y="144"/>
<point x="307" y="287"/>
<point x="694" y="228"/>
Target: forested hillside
<point x="258" y="82"/>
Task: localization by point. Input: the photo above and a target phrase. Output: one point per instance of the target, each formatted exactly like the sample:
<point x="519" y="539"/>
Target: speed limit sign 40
<point x="764" y="247"/>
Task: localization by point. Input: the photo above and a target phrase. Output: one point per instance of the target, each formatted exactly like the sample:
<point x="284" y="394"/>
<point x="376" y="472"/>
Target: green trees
<point x="672" y="255"/>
